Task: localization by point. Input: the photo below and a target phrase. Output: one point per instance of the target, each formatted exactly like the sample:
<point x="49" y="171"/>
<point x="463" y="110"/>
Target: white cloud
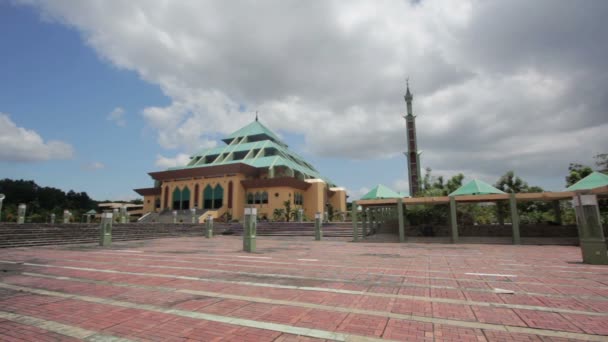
<point x="117" y="115"/>
<point x="166" y="162"/>
<point x="92" y="166"/>
<point x="23" y="145"/>
<point x="493" y="86"/>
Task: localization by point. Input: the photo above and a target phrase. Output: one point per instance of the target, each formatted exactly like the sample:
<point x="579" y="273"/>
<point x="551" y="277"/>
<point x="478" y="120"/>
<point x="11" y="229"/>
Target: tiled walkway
<point x="294" y="289"/>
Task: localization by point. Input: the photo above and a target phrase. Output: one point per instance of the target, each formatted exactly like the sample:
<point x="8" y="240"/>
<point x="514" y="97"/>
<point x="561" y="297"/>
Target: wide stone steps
<point x="32" y="234"/>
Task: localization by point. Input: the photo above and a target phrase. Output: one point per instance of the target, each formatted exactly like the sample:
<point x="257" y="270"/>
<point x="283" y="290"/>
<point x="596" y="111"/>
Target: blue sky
<point x="60" y="88"/>
<point x="95" y="94"/>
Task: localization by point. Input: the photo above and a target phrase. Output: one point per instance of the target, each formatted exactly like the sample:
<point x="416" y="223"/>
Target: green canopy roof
<point x="91" y="212"/>
<point x="592" y="181"/>
<point x="476" y="187"/>
<point x="379" y="192"/>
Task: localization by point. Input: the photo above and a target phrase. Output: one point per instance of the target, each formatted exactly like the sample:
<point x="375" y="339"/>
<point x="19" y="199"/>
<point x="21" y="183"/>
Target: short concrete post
<point x="52" y="218"/>
<point x="318" y="227"/>
<point x="354" y="218"/>
<point x="193" y="213"/>
<point x="300" y="215"/>
<point x="105" y="238"/>
<point x="453" y="221"/>
<point x="174" y="216"/>
<point x="66" y="216"/>
<point x="249" y="237"/>
<point x="123" y="214"/>
<point x="88" y="218"/>
<point x="326" y="217"/>
<point x="343" y="216"/>
<point x="209" y="224"/>
<point x="400" y="220"/>
<point x="557" y="209"/>
<point x="21" y="213"/>
<point x="514" y="219"/>
<point x="590" y="230"/>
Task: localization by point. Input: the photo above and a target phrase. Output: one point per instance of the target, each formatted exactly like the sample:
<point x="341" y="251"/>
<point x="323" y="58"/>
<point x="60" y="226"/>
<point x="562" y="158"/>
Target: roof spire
<point x="256" y="115"/>
<point x="408" y="96"/>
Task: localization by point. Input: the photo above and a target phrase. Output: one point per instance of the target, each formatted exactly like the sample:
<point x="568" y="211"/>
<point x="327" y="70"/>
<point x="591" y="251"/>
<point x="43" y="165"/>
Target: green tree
<point x="287" y="206"/>
<point x="601" y="161"/>
<point x="576" y="172"/>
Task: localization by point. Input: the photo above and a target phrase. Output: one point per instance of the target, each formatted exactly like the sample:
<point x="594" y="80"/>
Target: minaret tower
<point x="412" y="154"/>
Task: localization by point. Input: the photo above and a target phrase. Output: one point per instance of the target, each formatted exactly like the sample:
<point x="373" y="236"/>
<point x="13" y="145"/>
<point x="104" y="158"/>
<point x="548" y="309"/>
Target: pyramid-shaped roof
<point x="592" y="181"/>
<point x="254" y="129"/>
<point x="379" y="192"/>
<point x="476" y="187"/>
<point x="254" y="145"/>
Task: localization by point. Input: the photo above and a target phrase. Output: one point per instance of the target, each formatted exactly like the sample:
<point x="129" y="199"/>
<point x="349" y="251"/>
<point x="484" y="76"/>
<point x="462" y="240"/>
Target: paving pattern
<point x="295" y="289"/>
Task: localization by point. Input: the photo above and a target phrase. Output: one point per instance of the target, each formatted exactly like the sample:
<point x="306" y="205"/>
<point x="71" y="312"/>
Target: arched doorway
<point x="208" y="197"/>
<point x="185" y="199"/>
<point x="176" y="198"/>
<point x="230" y="195"/>
<point x="218" y="196"/>
<point x="196" y="193"/>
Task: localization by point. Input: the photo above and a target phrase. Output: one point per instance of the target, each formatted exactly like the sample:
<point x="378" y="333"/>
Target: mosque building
<point x="253" y="169"/>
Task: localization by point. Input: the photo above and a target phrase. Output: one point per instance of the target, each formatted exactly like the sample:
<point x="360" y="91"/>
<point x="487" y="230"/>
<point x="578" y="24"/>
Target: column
<point x="354" y="219"/>
<point x="364" y="222"/>
<point x="590" y="231"/>
<point x="193" y="213"/>
<point x="249" y="235"/>
<point x="400" y="220"/>
<point x="514" y="219"/>
<point x="453" y="222"/>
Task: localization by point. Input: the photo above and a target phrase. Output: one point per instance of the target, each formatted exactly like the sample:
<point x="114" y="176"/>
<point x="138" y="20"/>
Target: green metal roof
<point x="253" y="129"/>
<point x="265" y="153"/>
<point x="592" y="181"/>
<point x="379" y="192"/>
<point x="476" y="187"/>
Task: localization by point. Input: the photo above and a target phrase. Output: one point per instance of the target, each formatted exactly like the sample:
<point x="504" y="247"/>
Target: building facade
<point x="253" y="169"/>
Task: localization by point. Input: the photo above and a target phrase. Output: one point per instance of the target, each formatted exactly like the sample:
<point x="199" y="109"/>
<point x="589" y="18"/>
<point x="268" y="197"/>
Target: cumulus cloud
<point x="497" y="84"/>
<point x="117" y="115"/>
<point x="23" y="145"/>
<point x="166" y="162"/>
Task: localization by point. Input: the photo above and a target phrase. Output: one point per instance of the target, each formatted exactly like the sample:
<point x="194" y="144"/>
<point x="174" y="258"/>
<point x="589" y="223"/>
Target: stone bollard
<point x="53" y="218"/>
<point x="105" y="238"/>
<point x="318" y="227"/>
<point x="249" y="233"/>
<point x="590" y="230"/>
<point x="174" y="216"/>
<point x="21" y="213"/>
<point x="300" y="215"/>
<point x="123" y="214"/>
<point x="193" y="213"/>
<point x="88" y="218"/>
<point x="209" y="230"/>
<point x="66" y="216"/>
<point x="326" y="217"/>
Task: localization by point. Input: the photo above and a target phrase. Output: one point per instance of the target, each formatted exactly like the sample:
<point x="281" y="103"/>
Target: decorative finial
<point x="407" y="81"/>
<point x="256" y="115"/>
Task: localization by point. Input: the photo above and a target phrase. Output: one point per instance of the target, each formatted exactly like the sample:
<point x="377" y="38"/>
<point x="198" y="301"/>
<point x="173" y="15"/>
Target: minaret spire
<point x="412" y="154"/>
<point x="256" y="115"/>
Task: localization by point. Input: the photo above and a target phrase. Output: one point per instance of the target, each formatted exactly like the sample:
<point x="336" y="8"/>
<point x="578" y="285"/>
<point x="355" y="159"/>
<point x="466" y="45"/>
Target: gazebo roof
<point x="592" y="181"/>
<point x="91" y="212"/>
<point x="476" y="187"/>
<point x="379" y="192"/>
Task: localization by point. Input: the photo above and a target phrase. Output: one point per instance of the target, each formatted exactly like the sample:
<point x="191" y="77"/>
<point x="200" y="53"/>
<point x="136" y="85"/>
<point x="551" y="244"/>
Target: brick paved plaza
<point x="295" y="289"/>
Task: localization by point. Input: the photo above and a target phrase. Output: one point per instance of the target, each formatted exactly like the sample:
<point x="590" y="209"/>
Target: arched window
<point x="218" y="197"/>
<point x="258" y="198"/>
<point x="196" y="193"/>
<point x="185" y="199"/>
<point x="250" y="198"/>
<point x="208" y="197"/>
<point x="264" y="197"/>
<point x="176" y="198"/>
